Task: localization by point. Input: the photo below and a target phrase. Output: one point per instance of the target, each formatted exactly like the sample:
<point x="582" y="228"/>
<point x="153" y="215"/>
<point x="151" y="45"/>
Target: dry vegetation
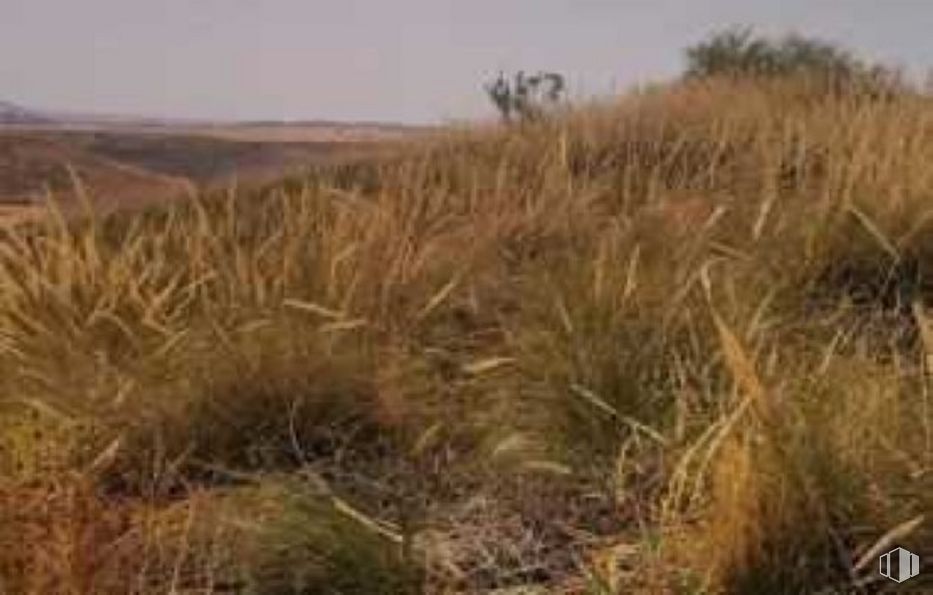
<point x="672" y="344"/>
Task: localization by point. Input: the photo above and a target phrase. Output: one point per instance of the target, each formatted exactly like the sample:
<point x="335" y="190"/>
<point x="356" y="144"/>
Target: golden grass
<point x="677" y="332"/>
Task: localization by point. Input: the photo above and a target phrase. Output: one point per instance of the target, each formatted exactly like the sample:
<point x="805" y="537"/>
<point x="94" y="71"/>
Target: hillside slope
<point x="131" y="168"/>
<point x="30" y="164"/>
<point x="671" y="343"/>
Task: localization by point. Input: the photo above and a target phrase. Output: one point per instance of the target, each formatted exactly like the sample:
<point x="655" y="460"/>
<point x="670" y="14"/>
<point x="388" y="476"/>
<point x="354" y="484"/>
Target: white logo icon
<point x="899" y="565"/>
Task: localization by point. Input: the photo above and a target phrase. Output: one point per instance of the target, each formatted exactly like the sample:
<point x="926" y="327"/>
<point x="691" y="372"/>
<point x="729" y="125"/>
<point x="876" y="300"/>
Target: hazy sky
<point x="402" y="60"/>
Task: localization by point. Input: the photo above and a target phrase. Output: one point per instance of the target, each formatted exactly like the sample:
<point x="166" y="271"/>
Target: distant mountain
<point x="10" y="113"/>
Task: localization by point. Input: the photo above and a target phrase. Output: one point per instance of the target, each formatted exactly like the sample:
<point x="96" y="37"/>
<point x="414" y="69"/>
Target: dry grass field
<point x="671" y="343"/>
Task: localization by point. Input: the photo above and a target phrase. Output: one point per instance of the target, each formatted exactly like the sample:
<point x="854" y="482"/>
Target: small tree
<point x="526" y="98"/>
<point x="737" y="52"/>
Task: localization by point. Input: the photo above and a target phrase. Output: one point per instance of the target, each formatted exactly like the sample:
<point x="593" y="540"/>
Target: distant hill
<point x="131" y="166"/>
<point x="130" y="160"/>
<point x="16" y="117"/>
<point x="32" y="164"/>
<point x="10" y="113"/>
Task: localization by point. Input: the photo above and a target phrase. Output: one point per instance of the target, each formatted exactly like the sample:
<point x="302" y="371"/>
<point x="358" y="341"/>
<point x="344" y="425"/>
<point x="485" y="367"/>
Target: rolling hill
<point x="31" y="165"/>
<point x="125" y="160"/>
<point x="669" y="344"/>
<point x="10" y="113"/>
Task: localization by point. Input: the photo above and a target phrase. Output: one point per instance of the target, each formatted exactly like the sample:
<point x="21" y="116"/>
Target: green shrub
<point x="740" y="53"/>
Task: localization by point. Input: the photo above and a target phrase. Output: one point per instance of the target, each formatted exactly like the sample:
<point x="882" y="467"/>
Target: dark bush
<point x="740" y="53"/>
